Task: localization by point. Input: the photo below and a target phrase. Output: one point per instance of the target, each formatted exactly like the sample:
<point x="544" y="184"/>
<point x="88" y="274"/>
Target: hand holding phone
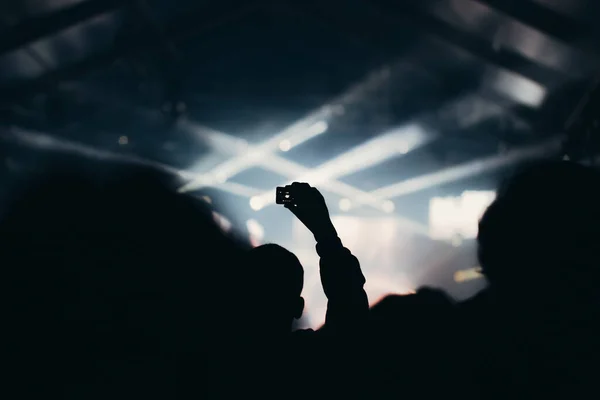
<point x="308" y="205"/>
<point x="283" y="195"/>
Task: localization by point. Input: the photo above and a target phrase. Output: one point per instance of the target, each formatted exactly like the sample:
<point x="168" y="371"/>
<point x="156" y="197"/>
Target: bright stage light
<point x="255" y="229"/>
<point x="254" y="154"/>
<point x="318" y="127"/>
<point x="223" y="222"/>
<point x="285" y="145"/>
<point x="516" y="87"/>
<point x="345" y="204"/>
<point x="373" y="152"/>
<point x="452" y="218"/>
<point x="468" y="275"/>
<point x="217" y="141"/>
<point x="220" y="177"/>
<point x="247" y="156"/>
<point x="297" y="138"/>
<point x="391" y="144"/>
<point x="403" y="148"/>
<point x="388" y="206"/>
<point x="302" y="130"/>
<point x="256" y="203"/>
<point x="467" y="170"/>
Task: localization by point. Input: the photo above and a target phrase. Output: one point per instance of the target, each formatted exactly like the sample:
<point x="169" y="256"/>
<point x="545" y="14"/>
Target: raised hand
<point x="309" y="207"/>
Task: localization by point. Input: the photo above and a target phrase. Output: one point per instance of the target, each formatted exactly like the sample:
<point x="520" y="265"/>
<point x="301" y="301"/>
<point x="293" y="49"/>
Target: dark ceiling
<point x="489" y="77"/>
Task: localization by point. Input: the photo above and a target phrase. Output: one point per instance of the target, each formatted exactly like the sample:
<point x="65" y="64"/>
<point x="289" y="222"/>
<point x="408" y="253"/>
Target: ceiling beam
<point x="199" y="20"/>
<point x="38" y="27"/>
<point x="404" y="13"/>
<point x="574" y="33"/>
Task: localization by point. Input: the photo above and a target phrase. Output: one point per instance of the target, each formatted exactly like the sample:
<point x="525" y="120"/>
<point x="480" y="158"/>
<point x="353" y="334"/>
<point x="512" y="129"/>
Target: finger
<point x="300" y="187"/>
<point x="304" y="194"/>
<point x="300" y="190"/>
<point x="316" y="193"/>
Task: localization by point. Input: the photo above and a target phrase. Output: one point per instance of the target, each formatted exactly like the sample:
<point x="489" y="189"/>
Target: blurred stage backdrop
<point x="394" y="258"/>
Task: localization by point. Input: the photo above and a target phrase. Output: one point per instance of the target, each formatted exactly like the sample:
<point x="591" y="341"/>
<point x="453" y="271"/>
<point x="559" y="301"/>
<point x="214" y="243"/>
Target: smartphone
<point x="283" y="195"/>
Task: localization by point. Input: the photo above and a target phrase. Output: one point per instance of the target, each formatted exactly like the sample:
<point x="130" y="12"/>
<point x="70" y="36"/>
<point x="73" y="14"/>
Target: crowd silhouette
<point x="117" y="286"/>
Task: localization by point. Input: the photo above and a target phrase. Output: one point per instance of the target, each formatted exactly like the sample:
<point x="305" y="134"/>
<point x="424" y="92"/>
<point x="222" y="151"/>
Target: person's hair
<point x="543" y="226"/>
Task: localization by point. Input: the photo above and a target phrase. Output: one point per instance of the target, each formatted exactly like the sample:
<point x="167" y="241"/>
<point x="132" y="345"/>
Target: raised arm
<point x="341" y="276"/>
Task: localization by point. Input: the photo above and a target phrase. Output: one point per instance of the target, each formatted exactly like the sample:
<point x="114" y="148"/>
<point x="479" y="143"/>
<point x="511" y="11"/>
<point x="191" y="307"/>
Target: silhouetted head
<point x="277" y="278"/>
<point x="105" y="264"/>
<point x="542" y="232"/>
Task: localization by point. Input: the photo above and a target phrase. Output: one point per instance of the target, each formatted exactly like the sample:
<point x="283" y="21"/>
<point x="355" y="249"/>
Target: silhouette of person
<point x="533" y="330"/>
<point x="341" y="276"/>
<point x="414" y="347"/>
<point x="275" y="277"/>
<point x="278" y="295"/>
<point x="274" y="280"/>
<point x="537" y="320"/>
<point x="111" y="278"/>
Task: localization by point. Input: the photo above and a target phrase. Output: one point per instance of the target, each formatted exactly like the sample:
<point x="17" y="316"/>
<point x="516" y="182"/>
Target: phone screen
<point x="283" y="195"/>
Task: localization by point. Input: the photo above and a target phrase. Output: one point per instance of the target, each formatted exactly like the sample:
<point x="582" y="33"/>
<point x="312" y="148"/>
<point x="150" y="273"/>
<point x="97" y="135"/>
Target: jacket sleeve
<point x="343" y="282"/>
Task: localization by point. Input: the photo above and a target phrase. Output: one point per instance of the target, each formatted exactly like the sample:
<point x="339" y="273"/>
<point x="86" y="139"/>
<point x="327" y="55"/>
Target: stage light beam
<point x="391" y="144"/>
<point x="253" y="155"/>
<point x="388" y="145"/>
<point x="313" y="124"/>
<point x="255" y="229"/>
<point x="285" y="145"/>
<point x="466" y="170"/>
<point x="256" y="203"/>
